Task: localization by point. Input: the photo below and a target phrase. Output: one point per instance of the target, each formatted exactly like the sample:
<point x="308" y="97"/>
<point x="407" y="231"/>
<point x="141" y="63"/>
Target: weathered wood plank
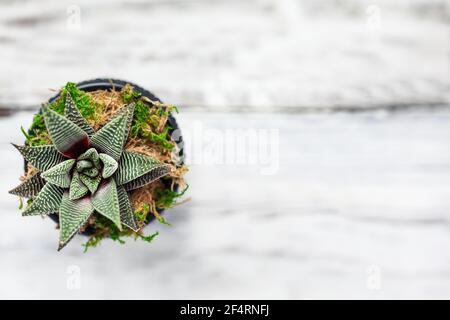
<point x="354" y="195"/>
<point x="222" y="55"/>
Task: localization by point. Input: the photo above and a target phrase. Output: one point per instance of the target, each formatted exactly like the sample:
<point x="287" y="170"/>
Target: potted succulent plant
<point x="102" y="158"/>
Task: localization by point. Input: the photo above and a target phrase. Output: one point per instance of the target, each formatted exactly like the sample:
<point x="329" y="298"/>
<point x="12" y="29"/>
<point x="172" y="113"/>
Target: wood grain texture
<point x="351" y="205"/>
<point x="354" y="195"/>
<point x="232" y="54"/>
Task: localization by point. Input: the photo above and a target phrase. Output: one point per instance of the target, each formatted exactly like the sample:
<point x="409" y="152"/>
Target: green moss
<point x="104" y="228"/>
<point x="162" y="138"/>
<point x="38" y="135"/>
<point x="140" y="119"/>
<point x="116" y="235"/>
<point x="149" y="238"/>
<point x="129" y="95"/>
<point x="163" y="220"/>
<point x="94" y="241"/>
<point x="84" y="103"/>
<point x="166" y="198"/>
<point x="147" y="117"/>
<point x="141" y="214"/>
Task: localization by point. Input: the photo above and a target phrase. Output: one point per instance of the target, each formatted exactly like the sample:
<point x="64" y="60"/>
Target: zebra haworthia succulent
<point x="85" y="172"/>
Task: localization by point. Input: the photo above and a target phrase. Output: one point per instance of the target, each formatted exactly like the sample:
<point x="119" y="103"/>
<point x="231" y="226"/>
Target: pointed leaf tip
<point x="106" y="201"/>
<point x="91" y="183"/>
<point x="30" y="187"/>
<point x="73" y="214"/>
<point x="77" y="188"/>
<point x="92" y="155"/>
<point x="41" y="157"/>
<point x="68" y="138"/>
<point x="109" y="165"/>
<point x="136" y="170"/>
<point x="60" y="174"/>
<point x="111" y="138"/>
<point x="126" y="211"/>
<point x="147" y="178"/>
<point x="73" y="114"/>
<point x="46" y="202"/>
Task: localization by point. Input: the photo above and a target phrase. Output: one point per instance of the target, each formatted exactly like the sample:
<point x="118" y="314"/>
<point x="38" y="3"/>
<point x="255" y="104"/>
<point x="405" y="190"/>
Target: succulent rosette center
<point x="86" y="172"/>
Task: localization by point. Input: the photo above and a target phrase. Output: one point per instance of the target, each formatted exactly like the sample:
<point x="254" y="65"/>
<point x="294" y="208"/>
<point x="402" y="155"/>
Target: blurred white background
<point x="359" y="93"/>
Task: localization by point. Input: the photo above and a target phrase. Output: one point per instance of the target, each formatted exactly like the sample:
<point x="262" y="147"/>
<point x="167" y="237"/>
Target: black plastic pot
<point x="117" y="85"/>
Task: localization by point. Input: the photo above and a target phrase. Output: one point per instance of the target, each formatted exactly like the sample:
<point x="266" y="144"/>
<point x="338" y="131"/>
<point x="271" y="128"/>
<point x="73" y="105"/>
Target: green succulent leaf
<point x="73" y="114"/>
<point x="147" y="178"/>
<point x="111" y="138"/>
<point x="60" y="174"/>
<point x="91" y="155"/>
<point x="109" y="165"/>
<point x="136" y="170"/>
<point x="77" y="188"/>
<point x="41" y="157"/>
<point x="91" y="172"/>
<point x="126" y="212"/>
<point x="46" y="202"/>
<point x="106" y="201"/>
<point x="91" y="182"/>
<point x="73" y="214"/>
<point x="30" y="187"/>
<point x="68" y="138"/>
<point x="84" y="164"/>
<point x="132" y="165"/>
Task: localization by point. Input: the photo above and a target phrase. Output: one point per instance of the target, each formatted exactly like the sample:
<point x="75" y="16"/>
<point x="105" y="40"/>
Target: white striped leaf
<point x="136" y="170"/>
<point x="73" y="214"/>
<point x="90" y="183"/>
<point x="147" y="178"/>
<point x="91" y="172"/>
<point x="84" y="164"/>
<point x="41" y="157"/>
<point x="73" y="114"/>
<point x="126" y="211"/>
<point x="106" y="201"/>
<point x="111" y="138"/>
<point x="60" y="174"/>
<point x="30" y="187"/>
<point x="77" y="188"/>
<point x="46" y="202"/>
<point x="109" y="165"/>
<point x="68" y="138"/>
<point x="92" y="155"/>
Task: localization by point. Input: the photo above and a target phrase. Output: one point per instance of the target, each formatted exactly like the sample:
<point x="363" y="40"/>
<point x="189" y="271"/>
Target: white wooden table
<point x="359" y="208"/>
<point x="222" y="54"/>
<point x="360" y="204"/>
